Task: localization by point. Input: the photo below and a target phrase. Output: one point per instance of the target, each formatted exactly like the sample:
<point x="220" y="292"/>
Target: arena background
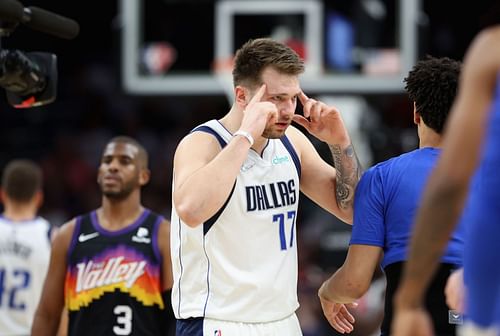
<point x="93" y="104"/>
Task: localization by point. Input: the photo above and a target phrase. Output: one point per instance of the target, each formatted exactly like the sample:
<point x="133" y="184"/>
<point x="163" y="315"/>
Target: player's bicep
<point x="193" y="153"/>
<point x="51" y="304"/>
<point x="52" y="299"/>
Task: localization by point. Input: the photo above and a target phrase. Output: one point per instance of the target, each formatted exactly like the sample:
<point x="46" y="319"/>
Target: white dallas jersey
<point x="24" y="259"/>
<point x="241" y="264"/>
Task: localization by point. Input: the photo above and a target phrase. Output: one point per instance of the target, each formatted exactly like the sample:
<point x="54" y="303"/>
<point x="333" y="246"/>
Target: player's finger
<point x="336" y="326"/>
<point x="302" y="97"/>
<point x="344" y="324"/>
<point x="315" y="111"/>
<point x="349" y="317"/>
<point x="340" y="327"/>
<point x="307" y="106"/>
<point x="301" y="121"/>
<point x="258" y="95"/>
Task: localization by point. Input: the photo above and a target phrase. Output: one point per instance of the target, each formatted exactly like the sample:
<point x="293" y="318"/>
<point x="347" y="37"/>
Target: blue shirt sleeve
<point x="368" y="226"/>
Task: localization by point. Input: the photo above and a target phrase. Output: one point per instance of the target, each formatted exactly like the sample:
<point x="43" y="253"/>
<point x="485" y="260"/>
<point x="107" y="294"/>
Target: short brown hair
<point x="256" y="55"/>
<point x="21" y="180"/>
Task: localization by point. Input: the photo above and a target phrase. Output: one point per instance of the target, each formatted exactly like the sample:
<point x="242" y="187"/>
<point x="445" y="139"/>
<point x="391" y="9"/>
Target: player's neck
<point x="232" y="120"/>
<point x="429" y="138"/>
<point x="117" y="214"/>
<point x="19" y="212"/>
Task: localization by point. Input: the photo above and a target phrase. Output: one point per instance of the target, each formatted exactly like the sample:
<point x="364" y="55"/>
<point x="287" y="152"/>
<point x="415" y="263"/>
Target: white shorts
<point x="288" y="326"/>
<point x="470" y="329"/>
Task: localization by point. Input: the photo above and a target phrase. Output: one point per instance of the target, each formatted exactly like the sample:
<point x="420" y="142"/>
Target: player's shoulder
<point x="490" y="34"/>
<point x="203" y="137"/>
<point x="294" y="133"/>
<point x="297" y="138"/>
<point x="401" y="160"/>
<point x="157" y="216"/>
<point x="164" y="227"/>
<point x="485" y="49"/>
<point x="389" y="166"/>
<point x="67" y="229"/>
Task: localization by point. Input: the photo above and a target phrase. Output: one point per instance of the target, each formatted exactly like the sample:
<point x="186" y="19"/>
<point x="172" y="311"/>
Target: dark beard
<point x="272" y="135"/>
<point x="118" y="195"/>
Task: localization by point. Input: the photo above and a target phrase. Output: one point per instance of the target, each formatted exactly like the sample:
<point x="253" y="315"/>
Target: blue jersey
<point x="482" y="274"/>
<point x="386" y="201"/>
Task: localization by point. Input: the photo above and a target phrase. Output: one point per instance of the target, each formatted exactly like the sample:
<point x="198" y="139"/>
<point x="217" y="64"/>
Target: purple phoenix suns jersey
<point x="113" y="280"/>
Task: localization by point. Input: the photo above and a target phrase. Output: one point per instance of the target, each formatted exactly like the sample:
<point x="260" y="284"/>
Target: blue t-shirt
<point x="386" y="201"/>
<point x="481" y="271"/>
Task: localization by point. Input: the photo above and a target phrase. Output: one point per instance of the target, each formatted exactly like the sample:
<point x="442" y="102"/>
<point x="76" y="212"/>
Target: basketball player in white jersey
<point x="24" y="247"/>
<point x="235" y="193"/>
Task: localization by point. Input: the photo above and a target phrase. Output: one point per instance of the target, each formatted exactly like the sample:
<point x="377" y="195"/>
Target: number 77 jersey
<point x="241" y="264"/>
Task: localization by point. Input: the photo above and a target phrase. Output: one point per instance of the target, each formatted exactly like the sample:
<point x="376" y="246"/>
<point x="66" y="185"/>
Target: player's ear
<point x="39" y="199"/>
<point x="144" y="176"/>
<point x="241" y="95"/>
<point x="416" y="116"/>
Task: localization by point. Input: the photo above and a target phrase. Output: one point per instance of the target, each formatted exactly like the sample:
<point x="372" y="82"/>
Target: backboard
<point x="340" y="55"/>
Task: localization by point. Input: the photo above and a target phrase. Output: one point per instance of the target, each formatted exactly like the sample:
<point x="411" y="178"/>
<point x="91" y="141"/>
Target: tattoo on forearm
<point x="348" y="173"/>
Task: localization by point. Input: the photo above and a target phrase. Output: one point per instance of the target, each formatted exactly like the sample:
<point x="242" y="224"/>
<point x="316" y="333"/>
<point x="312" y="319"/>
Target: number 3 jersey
<point x="241" y="264"/>
<point x="113" y="280"/>
<point x="24" y="259"/>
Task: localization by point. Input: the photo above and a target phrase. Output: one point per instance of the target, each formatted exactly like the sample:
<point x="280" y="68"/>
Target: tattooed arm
<point x="330" y="187"/>
<point x="348" y="174"/>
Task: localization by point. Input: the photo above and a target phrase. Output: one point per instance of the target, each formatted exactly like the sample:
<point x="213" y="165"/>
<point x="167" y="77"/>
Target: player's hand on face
<point x="338" y="316"/>
<point x="321" y="120"/>
<point x="258" y="113"/>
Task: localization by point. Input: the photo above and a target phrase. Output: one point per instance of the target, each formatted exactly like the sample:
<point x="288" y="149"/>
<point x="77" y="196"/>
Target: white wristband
<point x="246" y="134"/>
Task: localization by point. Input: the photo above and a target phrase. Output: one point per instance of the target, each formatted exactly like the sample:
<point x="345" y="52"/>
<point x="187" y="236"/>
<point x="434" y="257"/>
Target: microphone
<point x="11" y="11"/>
<point x="50" y="23"/>
<point x="39" y="19"/>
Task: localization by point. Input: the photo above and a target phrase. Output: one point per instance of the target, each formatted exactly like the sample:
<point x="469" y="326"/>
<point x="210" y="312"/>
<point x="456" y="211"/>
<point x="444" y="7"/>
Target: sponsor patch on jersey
<point x="280" y="159"/>
<point x="141" y="236"/>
